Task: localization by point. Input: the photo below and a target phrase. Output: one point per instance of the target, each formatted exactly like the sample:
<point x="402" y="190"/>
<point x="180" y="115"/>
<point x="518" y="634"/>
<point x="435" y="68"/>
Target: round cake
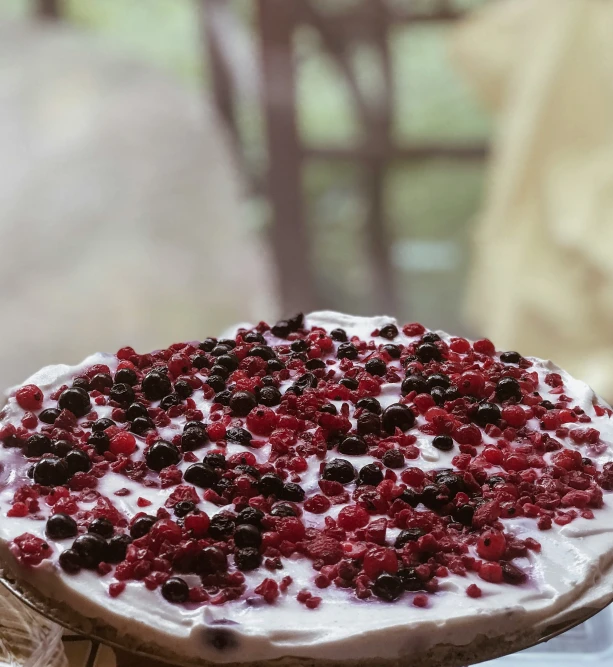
<point x="329" y="488"/>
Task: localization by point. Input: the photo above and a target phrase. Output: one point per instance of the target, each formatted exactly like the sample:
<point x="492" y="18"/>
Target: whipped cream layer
<point x="572" y="566"/>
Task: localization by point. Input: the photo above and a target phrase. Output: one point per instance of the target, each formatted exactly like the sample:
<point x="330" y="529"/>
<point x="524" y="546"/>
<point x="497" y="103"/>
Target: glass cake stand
<point x="130" y="656"/>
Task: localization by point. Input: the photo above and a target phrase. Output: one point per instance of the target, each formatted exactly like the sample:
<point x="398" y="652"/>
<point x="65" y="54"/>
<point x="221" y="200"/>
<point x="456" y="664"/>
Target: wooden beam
<point x="408" y="152"/>
<point x="289" y="237"/>
<point x="50" y="10"/>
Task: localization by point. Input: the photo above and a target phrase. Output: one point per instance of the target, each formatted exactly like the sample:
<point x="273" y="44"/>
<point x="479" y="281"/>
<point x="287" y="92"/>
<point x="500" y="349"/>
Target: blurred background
<point x="173" y="166"/>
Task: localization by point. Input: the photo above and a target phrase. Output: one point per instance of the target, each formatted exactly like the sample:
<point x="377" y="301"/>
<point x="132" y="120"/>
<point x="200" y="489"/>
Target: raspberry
<point x="269" y="590"/>
<point x="126" y="353"/>
<point x="459" y="345"/>
<point x="30" y="550"/>
<point x="491" y="572"/>
<point x="18" y="510"/>
<point x="473" y="591"/>
<point x="514" y="415"/>
<point x="491" y="545"/>
<point x="467" y="434"/>
<point x="197" y="524"/>
<point x="298" y="464"/>
<point x="550" y="421"/>
<point x="313" y="602"/>
<point x="585" y="435"/>
<point x="554" y="380"/>
<point x="325" y="549"/>
<point x="216" y="431"/>
<point x="377" y="561"/>
<point x="492" y="455"/>
<point x="471" y="383"/>
<point x="568" y="459"/>
<point x="413" y="476"/>
<point x="516" y="462"/>
<point x="580" y="499"/>
<point x="353" y="517"/>
<point x="170" y="476"/>
<point x="179" y="364"/>
<point x="291" y="528"/>
<point x="484" y="346"/>
<point x="413" y="329"/>
<point x="29" y="420"/>
<point x="123" y="443"/>
<point x="117" y="588"/>
<point x="261" y="420"/>
<point x="424" y="402"/>
<point x="29" y="397"/>
<point x="420" y="600"/>
<point x="317" y="504"/>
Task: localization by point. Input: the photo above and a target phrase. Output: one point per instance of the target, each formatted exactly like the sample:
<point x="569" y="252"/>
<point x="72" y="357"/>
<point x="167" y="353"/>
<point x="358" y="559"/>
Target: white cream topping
<point x="570" y="569"/>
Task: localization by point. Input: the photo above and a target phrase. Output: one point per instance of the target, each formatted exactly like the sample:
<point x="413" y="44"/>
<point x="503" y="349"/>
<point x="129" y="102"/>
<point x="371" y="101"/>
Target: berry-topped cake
<point x="329" y="489"/>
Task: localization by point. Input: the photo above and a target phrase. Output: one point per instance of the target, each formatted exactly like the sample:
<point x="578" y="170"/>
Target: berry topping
<point x="247" y="559"/>
<point x="339" y="335"/>
<point x="370" y="474"/>
<point x="61" y="527"/>
<point x="354" y="445"/>
<point x="141" y="526"/>
<point x="101" y="526"/>
<point x="76" y="400"/>
<point x="70" y="561"/>
<point x="175" y="590"/>
<point x="414" y="383"/>
<point x="347" y="351"/>
<point x="375" y="366"/>
<point x="339" y="470"/>
<point x="92" y="550"/>
<point x="370" y="404"/>
<point x="242" y="402"/>
<point x="201" y="475"/>
<point x="397" y="416"/>
<point x="161" y="455"/>
<point x="383" y="462"/>
<point x="29" y="397"/>
<point x="37" y="445"/>
<point x="269" y="396"/>
<point x="126" y="376"/>
<point x="389" y="331"/>
<point x="487" y="413"/>
<point x="388" y="587"/>
<point x="77" y="461"/>
<point x="49" y="415"/>
<point x="211" y="560"/>
<point x="122" y="443"/>
<point x="117" y="548"/>
<point x="508" y="388"/>
<point x="51" y="472"/>
<point x="156" y="385"/>
<point x="443" y="442"/>
<point x="122" y="393"/>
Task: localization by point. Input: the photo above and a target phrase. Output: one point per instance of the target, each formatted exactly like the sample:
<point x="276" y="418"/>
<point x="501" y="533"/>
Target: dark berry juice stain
<point x="221" y="639"/>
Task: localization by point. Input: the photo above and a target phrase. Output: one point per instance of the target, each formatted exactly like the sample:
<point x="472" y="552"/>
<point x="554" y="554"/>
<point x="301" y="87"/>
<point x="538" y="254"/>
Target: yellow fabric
<point x="542" y="277"/>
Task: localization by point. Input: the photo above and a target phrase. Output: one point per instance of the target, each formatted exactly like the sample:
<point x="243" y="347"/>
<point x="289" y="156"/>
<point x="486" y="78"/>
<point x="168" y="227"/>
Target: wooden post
<point x="289" y="237"/>
<point x="375" y="169"/>
<point x="48" y="9"/>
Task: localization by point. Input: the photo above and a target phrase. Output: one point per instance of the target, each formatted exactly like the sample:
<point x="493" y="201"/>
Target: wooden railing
<point x="370" y="22"/>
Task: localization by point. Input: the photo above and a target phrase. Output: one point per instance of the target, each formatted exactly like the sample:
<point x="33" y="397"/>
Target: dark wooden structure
<point x="368" y="21"/>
